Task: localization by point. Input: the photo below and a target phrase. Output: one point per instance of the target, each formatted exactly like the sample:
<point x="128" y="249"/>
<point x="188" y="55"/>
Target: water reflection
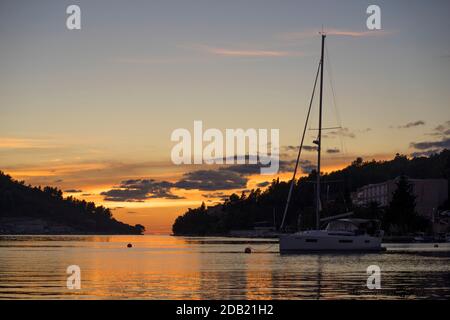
<point x="163" y="267"/>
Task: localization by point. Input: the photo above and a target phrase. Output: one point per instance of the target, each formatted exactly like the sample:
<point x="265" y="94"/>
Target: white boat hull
<point x="322" y="240"/>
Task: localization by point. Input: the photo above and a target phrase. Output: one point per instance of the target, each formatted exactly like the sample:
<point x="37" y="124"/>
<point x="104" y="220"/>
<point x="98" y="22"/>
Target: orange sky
<point x="157" y="215"/>
<point x="89" y="109"/>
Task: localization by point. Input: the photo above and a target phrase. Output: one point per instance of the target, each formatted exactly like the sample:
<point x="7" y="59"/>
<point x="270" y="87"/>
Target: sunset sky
<point x="91" y="111"/>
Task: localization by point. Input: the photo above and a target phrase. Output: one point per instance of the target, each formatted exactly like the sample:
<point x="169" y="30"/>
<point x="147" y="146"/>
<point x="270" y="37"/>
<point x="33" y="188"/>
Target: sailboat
<point x="341" y="234"/>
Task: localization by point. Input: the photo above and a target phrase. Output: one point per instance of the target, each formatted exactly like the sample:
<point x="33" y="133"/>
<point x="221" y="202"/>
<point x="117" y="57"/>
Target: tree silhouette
<point x="242" y="212"/>
<point x="20" y="201"/>
<point x="401" y="216"/>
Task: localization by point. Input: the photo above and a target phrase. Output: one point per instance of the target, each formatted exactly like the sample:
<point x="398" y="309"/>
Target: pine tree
<point x="401" y="214"/>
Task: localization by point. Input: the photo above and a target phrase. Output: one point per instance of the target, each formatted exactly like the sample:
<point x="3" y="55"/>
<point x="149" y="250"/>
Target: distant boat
<point x="340" y="235"/>
<point x="354" y="235"/>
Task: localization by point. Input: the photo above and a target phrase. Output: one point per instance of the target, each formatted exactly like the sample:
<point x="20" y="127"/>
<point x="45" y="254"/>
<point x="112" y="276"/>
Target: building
<point x="430" y="194"/>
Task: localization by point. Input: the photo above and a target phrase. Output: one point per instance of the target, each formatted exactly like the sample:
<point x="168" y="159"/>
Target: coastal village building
<point x="430" y="194"/>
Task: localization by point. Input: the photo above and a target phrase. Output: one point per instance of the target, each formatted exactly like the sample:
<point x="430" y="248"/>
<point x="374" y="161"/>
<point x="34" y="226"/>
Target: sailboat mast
<point x="319" y="138"/>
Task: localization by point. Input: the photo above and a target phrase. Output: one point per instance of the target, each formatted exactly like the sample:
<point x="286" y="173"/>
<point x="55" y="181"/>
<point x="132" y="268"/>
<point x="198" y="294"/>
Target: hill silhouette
<point x="32" y="210"/>
<point x="243" y="211"/>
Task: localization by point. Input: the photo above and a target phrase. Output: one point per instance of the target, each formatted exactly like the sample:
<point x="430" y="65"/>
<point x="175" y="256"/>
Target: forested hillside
<point x="21" y="205"/>
<point x="243" y="211"/>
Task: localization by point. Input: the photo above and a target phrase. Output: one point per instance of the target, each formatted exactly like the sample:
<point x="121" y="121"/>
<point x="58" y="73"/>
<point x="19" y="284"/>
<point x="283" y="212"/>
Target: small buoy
<point x="129" y="245"/>
<point x="248" y="250"/>
<point x="436" y="245"/>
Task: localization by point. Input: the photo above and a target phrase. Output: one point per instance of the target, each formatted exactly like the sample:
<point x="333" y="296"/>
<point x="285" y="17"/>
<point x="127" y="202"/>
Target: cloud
<point x="309" y="148"/>
<point x="412" y="124"/>
<point x="228" y="177"/>
<point x="443" y="144"/>
<point x="20" y="143"/>
<point x="335" y="32"/>
<point x="207" y="180"/>
<point x="150" y="60"/>
<point x="295" y="148"/>
<point x="427" y="153"/>
<point x="442" y="129"/>
<point x="314" y="148"/>
<point x="250" y="169"/>
<point x="139" y="190"/>
<point x="247" y="53"/>
<point x="243" y="169"/>
<point x="357" y="34"/>
<point x="245" y="158"/>
<point x="333" y="150"/>
<point x="343" y="132"/>
<point x="224" y="178"/>
<point x="307" y="166"/>
<point x="73" y="191"/>
<point x="263" y="184"/>
<point x="215" y="195"/>
<point x="427" y="148"/>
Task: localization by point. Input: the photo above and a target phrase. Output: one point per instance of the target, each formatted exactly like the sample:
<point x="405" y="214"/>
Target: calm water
<point x="164" y="267"/>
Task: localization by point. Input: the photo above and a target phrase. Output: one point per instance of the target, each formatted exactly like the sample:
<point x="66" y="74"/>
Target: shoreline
<point x="38" y="226"/>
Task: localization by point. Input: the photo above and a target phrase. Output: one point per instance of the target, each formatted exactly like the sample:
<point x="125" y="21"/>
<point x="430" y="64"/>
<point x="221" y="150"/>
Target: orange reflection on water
<point x="164" y="267"/>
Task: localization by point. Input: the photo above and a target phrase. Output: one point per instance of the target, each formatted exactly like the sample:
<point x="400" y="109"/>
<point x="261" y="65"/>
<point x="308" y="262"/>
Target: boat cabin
<point x="355" y="226"/>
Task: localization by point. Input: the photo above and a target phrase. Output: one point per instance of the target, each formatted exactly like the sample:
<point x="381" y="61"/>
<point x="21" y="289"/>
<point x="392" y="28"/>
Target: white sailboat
<point x="340" y="235"/>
